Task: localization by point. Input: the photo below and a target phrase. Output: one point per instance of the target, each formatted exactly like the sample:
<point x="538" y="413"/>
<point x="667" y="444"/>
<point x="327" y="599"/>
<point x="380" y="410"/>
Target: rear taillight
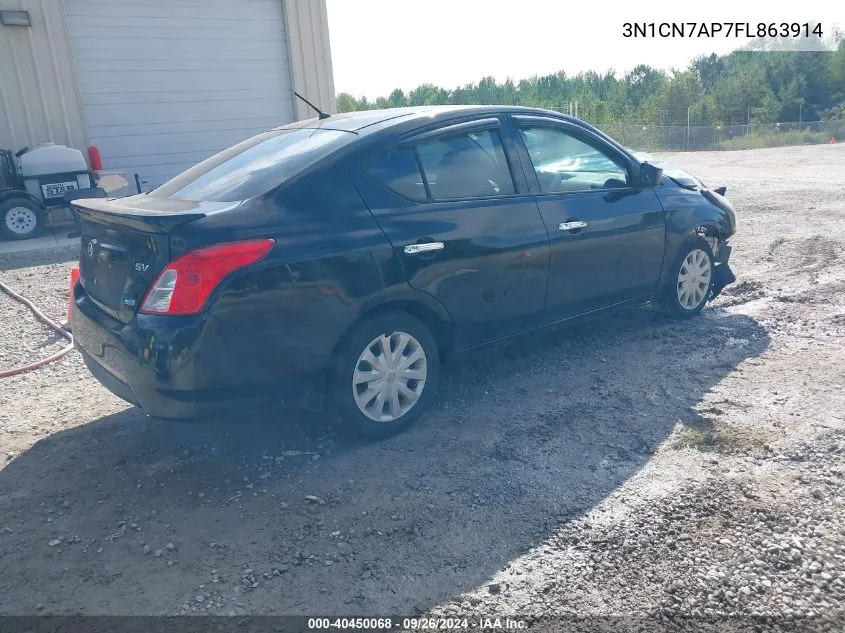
<point x="185" y="284"/>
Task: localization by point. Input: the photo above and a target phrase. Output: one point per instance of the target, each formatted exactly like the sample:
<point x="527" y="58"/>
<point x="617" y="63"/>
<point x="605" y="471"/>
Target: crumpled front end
<point x="722" y="273"/>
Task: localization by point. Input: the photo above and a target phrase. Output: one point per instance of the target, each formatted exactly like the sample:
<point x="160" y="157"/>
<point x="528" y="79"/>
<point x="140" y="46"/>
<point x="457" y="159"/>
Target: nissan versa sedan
<point x="337" y="262"/>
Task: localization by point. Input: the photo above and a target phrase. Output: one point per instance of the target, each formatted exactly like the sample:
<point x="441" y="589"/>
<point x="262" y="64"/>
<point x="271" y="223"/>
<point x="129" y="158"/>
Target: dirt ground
<point x="632" y="465"/>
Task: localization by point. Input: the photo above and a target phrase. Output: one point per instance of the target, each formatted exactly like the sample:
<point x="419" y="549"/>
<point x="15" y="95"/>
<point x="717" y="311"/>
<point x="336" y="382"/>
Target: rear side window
<point x="253" y="167"/>
<point x="471" y="165"/>
<point x="398" y="169"/>
<point x="466" y="166"/>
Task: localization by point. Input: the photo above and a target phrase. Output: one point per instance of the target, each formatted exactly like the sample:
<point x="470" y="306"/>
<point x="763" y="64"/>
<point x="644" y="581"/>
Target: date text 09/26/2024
<point x="420" y="623"/>
<point x="722" y="29"/>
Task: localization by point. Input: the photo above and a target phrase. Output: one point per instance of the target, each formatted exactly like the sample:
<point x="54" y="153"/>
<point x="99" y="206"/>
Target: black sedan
<point x="337" y="262"/>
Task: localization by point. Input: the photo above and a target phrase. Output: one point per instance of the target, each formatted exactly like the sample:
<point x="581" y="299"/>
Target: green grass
<point x="758" y="140"/>
<point x="707" y="436"/>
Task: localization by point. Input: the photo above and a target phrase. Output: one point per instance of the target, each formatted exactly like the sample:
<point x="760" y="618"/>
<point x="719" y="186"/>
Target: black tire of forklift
<point x="6" y="208"/>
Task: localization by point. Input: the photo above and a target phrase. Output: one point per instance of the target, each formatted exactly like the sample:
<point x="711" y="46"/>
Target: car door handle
<point x="573" y="225"/>
<point x="427" y="247"/>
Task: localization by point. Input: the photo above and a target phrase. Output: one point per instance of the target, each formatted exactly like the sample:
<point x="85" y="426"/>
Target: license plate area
<point x="57" y="189"/>
<point x="104" y="266"/>
<point x="117" y="266"/>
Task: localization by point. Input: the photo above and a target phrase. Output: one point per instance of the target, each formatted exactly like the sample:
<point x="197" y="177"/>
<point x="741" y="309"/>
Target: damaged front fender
<point x="722" y="273"/>
<point x="722" y="276"/>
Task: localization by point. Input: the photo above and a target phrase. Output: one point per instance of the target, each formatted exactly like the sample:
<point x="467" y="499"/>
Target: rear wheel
<point x="385" y="376"/>
<point x="690" y="280"/>
<point x="20" y="219"/>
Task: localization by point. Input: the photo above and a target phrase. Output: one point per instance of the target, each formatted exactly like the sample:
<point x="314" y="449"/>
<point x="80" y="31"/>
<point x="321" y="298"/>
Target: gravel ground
<point x="630" y="466"/>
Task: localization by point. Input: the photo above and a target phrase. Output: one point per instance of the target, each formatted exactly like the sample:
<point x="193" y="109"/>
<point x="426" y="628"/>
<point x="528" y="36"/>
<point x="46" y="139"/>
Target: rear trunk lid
<point x="126" y="243"/>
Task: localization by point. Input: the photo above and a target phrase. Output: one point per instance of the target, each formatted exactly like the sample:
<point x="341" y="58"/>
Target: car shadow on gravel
<point x="272" y="513"/>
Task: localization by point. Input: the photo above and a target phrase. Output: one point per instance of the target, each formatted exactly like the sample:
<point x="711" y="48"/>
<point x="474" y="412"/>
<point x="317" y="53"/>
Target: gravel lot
<point x="632" y="465"/>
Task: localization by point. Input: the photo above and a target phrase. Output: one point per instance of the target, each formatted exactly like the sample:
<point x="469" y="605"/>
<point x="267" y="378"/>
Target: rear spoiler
<point x="118" y="212"/>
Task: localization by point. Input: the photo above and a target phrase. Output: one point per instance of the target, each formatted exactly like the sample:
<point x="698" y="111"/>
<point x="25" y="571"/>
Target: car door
<point x="464" y="226"/>
<point x="606" y="233"/>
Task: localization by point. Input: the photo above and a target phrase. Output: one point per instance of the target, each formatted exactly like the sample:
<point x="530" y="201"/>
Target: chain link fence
<point x="754" y="136"/>
<point x="679" y="138"/>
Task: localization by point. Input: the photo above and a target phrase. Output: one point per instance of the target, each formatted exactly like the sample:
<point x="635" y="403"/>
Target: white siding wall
<point x="311" y="60"/>
<point x="38" y="100"/>
<point x="40" y="97"/>
<point x="165" y="85"/>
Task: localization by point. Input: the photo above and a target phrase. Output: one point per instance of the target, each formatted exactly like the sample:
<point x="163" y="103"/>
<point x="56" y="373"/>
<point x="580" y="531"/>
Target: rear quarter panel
<point x="283" y="317"/>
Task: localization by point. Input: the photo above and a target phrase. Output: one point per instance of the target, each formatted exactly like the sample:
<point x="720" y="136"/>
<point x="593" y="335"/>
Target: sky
<point x="379" y="45"/>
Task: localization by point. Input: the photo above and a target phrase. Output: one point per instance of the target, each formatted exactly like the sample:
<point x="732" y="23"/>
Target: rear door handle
<point x="573" y="225"/>
<point x="427" y="247"/>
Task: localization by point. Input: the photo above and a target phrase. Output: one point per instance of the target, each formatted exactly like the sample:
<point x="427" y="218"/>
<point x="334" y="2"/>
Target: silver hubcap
<point x="389" y="376"/>
<point x="694" y="279"/>
<point x="20" y="220"/>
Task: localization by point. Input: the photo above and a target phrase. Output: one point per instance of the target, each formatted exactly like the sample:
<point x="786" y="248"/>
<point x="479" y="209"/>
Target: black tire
<point x="351" y="420"/>
<point x="28" y="225"/>
<point x="670" y="300"/>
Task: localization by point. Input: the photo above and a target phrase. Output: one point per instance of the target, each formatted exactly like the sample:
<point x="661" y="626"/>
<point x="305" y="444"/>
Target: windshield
<point x="254" y="166"/>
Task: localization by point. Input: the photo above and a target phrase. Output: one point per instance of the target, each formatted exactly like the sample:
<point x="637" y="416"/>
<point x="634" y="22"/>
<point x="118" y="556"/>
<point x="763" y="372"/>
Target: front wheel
<point x="385" y="376"/>
<point x="689" y="280"/>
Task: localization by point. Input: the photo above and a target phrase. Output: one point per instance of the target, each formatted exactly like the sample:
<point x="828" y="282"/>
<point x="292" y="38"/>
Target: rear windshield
<point x="254" y="166"/>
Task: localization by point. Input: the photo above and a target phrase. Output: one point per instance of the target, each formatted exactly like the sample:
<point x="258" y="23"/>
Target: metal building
<point x="158" y="85"/>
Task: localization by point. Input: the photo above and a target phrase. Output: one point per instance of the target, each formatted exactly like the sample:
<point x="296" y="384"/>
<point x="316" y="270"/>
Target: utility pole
<point x="688" y="113"/>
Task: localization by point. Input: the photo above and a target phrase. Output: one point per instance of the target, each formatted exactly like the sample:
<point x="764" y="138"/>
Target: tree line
<point x="734" y="89"/>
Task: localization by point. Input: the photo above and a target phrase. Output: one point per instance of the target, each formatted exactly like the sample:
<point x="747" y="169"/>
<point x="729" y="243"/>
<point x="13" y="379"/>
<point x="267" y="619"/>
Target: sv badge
<point x="142" y="268"/>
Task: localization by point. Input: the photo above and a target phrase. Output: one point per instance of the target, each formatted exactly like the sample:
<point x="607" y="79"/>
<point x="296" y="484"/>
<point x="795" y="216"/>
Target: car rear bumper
<point x="108" y="379"/>
<point x="165" y="365"/>
<point x="128" y="361"/>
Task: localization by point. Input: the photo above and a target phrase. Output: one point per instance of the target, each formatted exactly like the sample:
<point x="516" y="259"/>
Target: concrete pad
<point x="43" y="243"/>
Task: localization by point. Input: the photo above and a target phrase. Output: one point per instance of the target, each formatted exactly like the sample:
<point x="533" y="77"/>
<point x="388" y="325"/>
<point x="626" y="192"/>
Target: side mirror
<point x="650" y="176"/>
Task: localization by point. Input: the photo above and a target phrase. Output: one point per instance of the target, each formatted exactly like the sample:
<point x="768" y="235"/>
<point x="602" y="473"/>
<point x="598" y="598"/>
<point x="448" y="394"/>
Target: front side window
<point x="471" y="165"/>
<point x="565" y="163"/>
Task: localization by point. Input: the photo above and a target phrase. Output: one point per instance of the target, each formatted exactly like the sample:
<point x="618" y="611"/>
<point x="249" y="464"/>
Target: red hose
<point x="5" y="373"/>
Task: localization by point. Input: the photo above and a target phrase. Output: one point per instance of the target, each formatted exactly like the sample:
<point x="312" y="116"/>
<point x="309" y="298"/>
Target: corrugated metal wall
<point x="165" y="85"/>
<point x="311" y="55"/>
<point x="38" y="99"/>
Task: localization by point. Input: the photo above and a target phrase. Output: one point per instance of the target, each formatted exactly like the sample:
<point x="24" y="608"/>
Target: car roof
<point x="364" y="121"/>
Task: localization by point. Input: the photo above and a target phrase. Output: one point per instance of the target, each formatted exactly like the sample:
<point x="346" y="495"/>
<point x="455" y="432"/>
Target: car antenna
<point x="319" y="112"/>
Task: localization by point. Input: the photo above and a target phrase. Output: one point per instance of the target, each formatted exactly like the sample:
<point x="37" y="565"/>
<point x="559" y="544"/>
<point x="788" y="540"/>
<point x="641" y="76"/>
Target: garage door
<point x="165" y="85"/>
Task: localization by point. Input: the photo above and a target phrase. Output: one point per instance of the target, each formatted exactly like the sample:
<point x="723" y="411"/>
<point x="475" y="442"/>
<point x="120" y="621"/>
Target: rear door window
<point x="471" y="165"/>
